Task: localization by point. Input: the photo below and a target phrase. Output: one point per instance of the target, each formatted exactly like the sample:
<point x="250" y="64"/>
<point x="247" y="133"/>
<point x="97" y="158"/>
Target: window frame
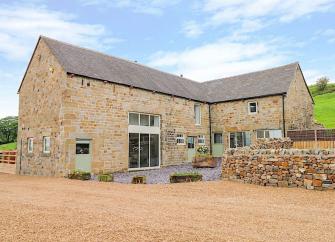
<point x="30" y="140"/>
<point x="139" y="114"/>
<point x="44" y="145"/>
<point x="201" y="137"/>
<point x="180" y="137"/>
<point x="249" y="106"/>
<point x="243" y="137"/>
<point x="197" y="105"/>
<point x="221" y="139"/>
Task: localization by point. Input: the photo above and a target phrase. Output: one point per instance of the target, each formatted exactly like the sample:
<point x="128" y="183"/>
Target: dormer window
<point x="252" y="107"/>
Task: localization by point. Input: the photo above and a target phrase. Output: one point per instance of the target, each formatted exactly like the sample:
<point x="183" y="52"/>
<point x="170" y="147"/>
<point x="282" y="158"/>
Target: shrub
<point x="322" y="83"/>
<point x="105" y="177"/>
<point x="203" y="150"/>
<point x="185" y="177"/>
<point x="79" y="175"/>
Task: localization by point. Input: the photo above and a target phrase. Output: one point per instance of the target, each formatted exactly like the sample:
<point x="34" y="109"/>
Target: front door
<point x="83" y="155"/>
<point x="217" y="148"/>
<point x="190" y="148"/>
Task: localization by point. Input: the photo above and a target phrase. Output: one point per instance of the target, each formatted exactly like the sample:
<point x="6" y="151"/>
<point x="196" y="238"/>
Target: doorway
<point x="217" y="148"/>
<point x="83" y="155"/>
<point x="190" y="148"/>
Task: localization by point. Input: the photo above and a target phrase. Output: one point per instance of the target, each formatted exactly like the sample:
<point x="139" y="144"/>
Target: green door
<point x="217" y="148"/>
<point x="83" y="155"/>
<point x="190" y="148"/>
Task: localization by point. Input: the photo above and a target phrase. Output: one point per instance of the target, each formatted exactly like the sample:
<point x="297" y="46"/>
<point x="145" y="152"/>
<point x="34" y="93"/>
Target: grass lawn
<point x="325" y="109"/>
<point x="10" y="146"/>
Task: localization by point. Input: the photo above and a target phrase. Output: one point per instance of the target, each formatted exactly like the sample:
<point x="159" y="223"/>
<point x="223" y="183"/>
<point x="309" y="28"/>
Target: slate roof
<point x="93" y="64"/>
<point x="256" y="84"/>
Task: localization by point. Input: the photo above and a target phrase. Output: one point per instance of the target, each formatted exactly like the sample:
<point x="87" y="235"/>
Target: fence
<point x="313" y="138"/>
<point x="7" y="161"/>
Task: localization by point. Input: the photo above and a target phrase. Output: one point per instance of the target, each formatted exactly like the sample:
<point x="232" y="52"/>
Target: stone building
<point x="80" y="109"/>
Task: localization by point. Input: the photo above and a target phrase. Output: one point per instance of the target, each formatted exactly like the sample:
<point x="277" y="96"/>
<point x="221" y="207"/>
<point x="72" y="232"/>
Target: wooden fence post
<point x="315" y="139"/>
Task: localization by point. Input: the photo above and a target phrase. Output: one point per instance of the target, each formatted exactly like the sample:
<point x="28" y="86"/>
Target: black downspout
<point x="283" y="106"/>
<point x="210" y="128"/>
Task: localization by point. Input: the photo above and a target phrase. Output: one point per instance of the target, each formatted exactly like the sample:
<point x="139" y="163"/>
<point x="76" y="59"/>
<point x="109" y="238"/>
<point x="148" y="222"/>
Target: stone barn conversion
<point x="81" y="109"/>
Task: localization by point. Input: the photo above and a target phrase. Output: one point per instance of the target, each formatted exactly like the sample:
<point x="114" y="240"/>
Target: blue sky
<point x="202" y="40"/>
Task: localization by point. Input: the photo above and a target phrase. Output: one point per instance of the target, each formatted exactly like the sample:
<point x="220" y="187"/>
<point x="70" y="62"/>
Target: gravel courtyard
<point x="56" y="209"/>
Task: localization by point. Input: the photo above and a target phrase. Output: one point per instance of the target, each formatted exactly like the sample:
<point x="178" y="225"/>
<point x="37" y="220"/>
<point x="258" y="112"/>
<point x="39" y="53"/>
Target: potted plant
<point x="203" y="159"/>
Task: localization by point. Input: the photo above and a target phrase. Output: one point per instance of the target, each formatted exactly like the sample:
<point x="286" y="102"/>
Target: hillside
<point x="324" y="108"/>
<point x="9" y="146"/>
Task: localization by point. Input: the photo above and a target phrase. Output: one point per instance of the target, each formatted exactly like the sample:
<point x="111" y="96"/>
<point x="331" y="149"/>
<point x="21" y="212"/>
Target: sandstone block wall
<point x="40" y="104"/>
<point x="312" y="169"/>
<point x="233" y="116"/>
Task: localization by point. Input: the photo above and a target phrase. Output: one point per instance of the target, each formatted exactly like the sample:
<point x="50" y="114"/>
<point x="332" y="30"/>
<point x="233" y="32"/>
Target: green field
<point x="324" y="109"/>
<point x="10" y="146"/>
<point x="314" y="89"/>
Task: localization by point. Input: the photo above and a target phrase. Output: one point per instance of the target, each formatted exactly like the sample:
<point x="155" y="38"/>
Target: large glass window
<point x="82" y="149"/>
<point x="197" y="114"/>
<point x="144" y="141"/>
<point x="239" y="139"/>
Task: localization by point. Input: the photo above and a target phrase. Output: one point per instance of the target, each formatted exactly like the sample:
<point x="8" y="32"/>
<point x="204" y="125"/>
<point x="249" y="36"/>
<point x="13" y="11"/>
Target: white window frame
<point x="244" y="136"/>
<point x="46" y="139"/>
<point x="146" y="130"/>
<point x="202" y="139"/>
<point x="273" y="133"/>
<point x="180" y="139"/>
<point x="249" y="111"/>
<point x="195" y="113"/>
<point x="30" y="140"/>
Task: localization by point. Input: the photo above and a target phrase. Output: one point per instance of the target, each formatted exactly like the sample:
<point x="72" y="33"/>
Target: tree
<point x="322" y="83"/>
<point x="8" y="129"/>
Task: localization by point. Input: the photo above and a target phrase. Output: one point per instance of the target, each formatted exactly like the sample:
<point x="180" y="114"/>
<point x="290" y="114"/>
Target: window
<point x="272" y="133"/>
<point x="218" y="138"/>
<point x="82" y="148"/>
<point x="180" y="139"/>
<point x="154" y="121"/>
<point x="197" y="114"/>
<point x="252" y="107"/>
<point x="201" y="139"/>
<point x="46" y="145"/>
<point x="239" y="139"/>
<point x="133" y="118"/>
<point x="143" y="119"/>
<point x="30" y="145"/>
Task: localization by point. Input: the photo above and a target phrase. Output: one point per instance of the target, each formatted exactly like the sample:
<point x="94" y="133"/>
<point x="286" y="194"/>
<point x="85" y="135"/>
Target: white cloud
<point x="192" y="29"/>
<point x="153" y="7"/>
<point x="222" y="58"/>
<point x="329" y="34"/>
<point x="9" y="99"/>
<point x="232" y="11"/>
<point x="21" y="25"/>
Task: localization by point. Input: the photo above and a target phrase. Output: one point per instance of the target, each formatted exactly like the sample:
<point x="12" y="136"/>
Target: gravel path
<point x="58" y="209"/>
<point x="162" y="175"/>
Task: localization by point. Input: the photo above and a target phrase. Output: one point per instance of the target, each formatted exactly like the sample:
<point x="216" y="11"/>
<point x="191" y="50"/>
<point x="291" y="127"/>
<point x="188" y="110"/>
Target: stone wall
<point x="312" y="169"/>
<point x="298" y="98"/>
<point x="233" y="116"/>
<point x="40" y="103"/>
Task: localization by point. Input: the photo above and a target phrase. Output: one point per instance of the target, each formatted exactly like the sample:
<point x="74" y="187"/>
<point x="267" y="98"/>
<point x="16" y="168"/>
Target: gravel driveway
<point x="162" y="175"/>
<point x="58" y="209"/>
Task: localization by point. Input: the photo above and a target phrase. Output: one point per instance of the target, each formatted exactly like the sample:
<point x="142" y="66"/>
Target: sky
<point x="203" y="40"/>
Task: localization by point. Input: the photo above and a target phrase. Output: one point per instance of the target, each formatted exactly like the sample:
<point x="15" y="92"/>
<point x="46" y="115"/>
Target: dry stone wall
<point x="312" y="169"/>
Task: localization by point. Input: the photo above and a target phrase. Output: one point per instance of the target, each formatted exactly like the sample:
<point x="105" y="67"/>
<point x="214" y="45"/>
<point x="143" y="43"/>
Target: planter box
<point x="84" y="176"/>
<point x="204" y="162"/>
<point x="139" y="180"/>
<point x="178" y="178"/>
<point x="105" y="178"/>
